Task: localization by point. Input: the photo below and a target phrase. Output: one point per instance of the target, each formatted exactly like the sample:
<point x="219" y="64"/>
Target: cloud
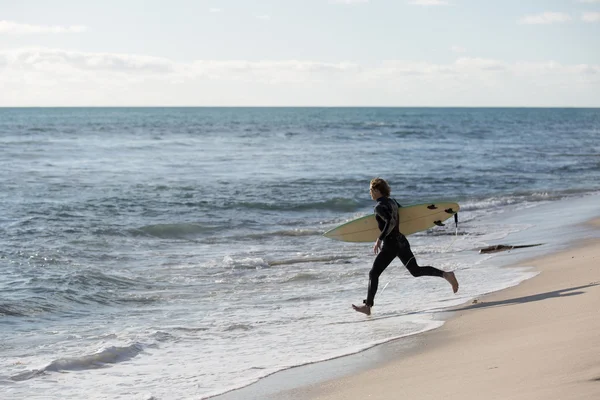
<point x="590" y="17"/>
<point x="545" y="18"/>
<point x="458" y="49"/>
<point x="349" y="1"/>
<point x="428" y="2"/>
<point x="215" y="10"/>
<point x="264" y="17"/>
<point x="15" y="28"/>
<point x="60" y="64"/>
<point x="56" y="60"/>
<point x="56" y="77"/>
<point x="483" y="64"/>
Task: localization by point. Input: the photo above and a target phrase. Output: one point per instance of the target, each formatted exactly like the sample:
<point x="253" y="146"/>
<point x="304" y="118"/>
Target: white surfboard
<point x="414" y="218"/>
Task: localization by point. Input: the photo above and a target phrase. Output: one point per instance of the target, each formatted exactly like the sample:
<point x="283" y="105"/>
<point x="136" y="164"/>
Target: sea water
<point x="177" y="253"/>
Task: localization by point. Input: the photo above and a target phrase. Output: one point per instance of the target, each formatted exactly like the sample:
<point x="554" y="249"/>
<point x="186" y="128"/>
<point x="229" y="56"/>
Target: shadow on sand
<point x="574" y="291"/>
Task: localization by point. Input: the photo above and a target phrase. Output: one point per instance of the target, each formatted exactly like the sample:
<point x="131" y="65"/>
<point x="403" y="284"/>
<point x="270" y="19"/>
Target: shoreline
<point x="372" y="373"/>
<point x="536" y="340"/>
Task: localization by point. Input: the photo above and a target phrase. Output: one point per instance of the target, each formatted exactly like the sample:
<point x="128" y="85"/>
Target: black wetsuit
<point x="394" y="245"/>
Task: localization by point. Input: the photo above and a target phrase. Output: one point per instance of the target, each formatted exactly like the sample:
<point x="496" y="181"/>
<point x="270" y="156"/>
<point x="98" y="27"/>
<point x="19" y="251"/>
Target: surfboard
<point x="413" y="218"/>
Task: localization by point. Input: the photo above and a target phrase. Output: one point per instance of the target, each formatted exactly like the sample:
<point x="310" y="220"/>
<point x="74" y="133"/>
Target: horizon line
<point x="317" y="106"/>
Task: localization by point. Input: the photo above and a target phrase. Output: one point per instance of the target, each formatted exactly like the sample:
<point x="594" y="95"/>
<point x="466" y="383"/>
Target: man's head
<point x="380" y="186"/>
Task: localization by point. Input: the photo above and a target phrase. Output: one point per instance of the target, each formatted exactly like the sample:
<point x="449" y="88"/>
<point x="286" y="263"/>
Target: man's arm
<point x="385" y="213"/>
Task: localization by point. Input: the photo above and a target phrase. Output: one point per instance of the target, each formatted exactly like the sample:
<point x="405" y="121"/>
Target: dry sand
<point x="538" y="340"/>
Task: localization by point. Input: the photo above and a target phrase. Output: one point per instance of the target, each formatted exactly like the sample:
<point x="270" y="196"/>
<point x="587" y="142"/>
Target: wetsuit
<point x="394" y="245"/>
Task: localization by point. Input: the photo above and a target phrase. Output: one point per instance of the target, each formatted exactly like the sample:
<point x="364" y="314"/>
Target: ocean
<point x="177" y="253"/>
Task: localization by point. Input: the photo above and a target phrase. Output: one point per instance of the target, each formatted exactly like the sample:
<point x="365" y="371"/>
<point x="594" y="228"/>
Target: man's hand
<point x="377" y="246"/>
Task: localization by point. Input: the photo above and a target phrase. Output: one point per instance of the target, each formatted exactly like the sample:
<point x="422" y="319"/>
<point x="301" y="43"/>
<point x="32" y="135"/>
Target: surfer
<point x="391" y="243"/>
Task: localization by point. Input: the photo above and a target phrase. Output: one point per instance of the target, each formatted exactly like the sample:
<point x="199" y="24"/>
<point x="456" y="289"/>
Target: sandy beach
<point x="538" y="340"/>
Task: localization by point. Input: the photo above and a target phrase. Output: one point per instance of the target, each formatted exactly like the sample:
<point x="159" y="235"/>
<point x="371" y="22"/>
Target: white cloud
<point x="48" y="59"/>
<point x="264" y="17"/>
<point x="545" y="18"/>
<point x="590" y="17"/>
<point x="428" y="2"/>
<point x="42" y="76"/>
<point x="15" y="28"/>
<point x="349" y="1"/>
<point x="215" y="10"/>
<point x="458" y="49"/>
<point x="483" y="64"/>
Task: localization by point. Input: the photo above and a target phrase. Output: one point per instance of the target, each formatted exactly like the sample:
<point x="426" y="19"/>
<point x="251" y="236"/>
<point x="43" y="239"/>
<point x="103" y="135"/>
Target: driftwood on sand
<point x="504" y="247"/>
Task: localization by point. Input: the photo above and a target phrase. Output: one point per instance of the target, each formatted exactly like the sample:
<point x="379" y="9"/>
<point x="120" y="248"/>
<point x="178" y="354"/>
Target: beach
<point x="158" y="254"/>
<point x="538" y="340"/>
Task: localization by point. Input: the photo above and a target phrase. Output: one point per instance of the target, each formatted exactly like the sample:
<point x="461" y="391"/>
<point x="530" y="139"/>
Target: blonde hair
<point x="381" y="186"/>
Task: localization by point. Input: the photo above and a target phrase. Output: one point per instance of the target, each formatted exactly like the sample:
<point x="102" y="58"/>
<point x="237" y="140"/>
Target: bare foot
<point x="363" y="309"/>
<point x="450" y="277"/>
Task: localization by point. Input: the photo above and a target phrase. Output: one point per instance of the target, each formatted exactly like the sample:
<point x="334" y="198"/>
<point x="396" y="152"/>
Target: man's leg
<point x="383" y="259"/>
<point x="408" y="259"/>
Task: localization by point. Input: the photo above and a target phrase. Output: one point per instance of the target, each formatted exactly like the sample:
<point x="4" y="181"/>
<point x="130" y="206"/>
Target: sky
<point x="404" y="53"/>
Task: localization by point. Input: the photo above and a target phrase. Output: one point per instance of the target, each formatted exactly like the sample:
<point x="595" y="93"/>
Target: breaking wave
<point x="104" y="358"/>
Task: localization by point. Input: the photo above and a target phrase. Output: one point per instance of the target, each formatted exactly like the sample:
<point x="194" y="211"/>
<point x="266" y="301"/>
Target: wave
<point x="258" y="262"/>
<point x="10" y="310"/>
<point x="302" y="260"/>
<point x="518" y="198"/>
<point x="245" y="263"/>
<point x="238" y="327"/>
<point x="359" y="126"/>
<point x="64" y="291"/>
<point x="303" y="299"/>
<point x="31" y="306"/>
<point x="110" y="355"/>
<point x="136" y="299"/>
<point x="295" y="232"/>
<point x="161" y="336"/>
<point x="189" y="329"/>
<point x="173" y="231"/>
<point x="281" y="233"/>
<point x="374" y="124"/>
<point x="335" y="204"/>
<point x="91" y="279"/>
<point x="302" y="277"/>
<point x="408" y="132"/>
<point x="576" y="169"/>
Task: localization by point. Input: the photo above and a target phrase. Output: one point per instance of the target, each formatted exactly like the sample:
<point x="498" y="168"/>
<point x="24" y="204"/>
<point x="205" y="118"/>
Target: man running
<point x="395" y="245"/>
